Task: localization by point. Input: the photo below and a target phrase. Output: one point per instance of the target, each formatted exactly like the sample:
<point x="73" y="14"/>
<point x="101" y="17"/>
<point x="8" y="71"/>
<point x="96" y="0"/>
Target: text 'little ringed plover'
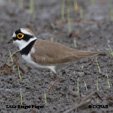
<point x="43" y="53"/>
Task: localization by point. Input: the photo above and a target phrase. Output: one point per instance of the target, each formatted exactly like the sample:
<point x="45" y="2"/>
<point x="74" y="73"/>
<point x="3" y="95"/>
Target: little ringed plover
<point x="44" y="53"/>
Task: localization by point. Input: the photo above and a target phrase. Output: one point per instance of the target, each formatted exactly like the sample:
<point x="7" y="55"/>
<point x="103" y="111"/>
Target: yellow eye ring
<point x="20" y="35"/>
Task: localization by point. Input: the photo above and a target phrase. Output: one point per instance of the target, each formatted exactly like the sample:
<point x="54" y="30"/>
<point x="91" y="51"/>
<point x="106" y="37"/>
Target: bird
<point x="44" y="53"/>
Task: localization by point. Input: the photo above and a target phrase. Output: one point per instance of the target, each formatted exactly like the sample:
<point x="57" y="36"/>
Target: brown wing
<point x="48" y="53"/>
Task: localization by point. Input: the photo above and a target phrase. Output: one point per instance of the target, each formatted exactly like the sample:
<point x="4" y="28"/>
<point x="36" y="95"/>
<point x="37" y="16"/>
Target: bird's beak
<point x="10" y="41"/>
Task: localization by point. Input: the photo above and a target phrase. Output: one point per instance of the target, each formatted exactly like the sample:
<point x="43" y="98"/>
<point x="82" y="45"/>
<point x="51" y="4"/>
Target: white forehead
<point x="25" y="31"/>
<point x="14" y="35"/>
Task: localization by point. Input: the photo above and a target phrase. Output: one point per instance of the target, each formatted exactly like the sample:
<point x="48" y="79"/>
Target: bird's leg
<point x="51" y="85"/>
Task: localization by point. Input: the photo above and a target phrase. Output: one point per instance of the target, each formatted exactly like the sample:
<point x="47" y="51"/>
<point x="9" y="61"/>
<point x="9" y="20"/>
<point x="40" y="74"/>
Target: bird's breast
<point x="29" y="60"/>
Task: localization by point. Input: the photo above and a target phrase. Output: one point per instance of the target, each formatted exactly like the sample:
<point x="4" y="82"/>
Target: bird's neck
<point x="24" y="44"/>
<point x="28" y="48"/>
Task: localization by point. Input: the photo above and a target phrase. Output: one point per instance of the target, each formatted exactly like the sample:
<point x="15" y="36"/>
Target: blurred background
<point x="56" y="16"/>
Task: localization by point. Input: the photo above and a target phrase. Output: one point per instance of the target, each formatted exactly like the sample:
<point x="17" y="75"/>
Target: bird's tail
<point x="83" y="54"/>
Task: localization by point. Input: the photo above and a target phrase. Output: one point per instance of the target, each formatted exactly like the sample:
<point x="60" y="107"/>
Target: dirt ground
<point x="83" y="83"/>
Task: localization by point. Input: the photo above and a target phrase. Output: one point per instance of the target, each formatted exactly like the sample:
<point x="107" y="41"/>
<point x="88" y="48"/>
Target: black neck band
<point x="27" y="49"/>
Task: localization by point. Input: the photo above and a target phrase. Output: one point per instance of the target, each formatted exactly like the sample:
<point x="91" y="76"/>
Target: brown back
<point x="49" y="53"/>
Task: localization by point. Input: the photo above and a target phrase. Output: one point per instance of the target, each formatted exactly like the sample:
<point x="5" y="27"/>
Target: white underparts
<point x="29" y="60"/>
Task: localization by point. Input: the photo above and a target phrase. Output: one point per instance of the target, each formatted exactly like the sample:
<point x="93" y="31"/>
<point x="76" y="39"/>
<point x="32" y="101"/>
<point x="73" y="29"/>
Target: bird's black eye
<point x="20" y="35"/>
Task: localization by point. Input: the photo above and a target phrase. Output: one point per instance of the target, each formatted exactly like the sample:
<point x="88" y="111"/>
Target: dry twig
<point x="85" y="101"/>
